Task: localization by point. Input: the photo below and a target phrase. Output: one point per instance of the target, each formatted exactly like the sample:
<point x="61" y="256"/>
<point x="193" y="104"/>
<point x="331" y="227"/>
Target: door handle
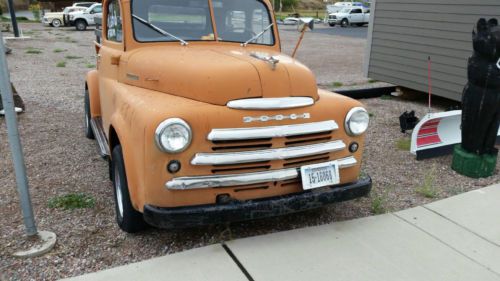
<point x="115" y="59"/>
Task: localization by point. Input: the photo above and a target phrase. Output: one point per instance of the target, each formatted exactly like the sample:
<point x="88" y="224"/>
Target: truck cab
<point x="203" y="120"/>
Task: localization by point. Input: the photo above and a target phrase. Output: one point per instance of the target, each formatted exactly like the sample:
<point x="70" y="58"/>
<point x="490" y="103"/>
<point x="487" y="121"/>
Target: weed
<point x="89" y="65"/>
<point x="33" y="51"/>
<point x="371" y="114"/>
<point x="70" y="57"/>
<point x="61" y="64"/>
<point x="378" y="203"/>
<point x="403" y="144"/>
<point x="371" y="81"/>
<point x="337" y="84"/>
<point x="59" y="50"/>
<point x="386" y="97"/>
<point x="428" y="189"/>
<point x="72" y="201"/>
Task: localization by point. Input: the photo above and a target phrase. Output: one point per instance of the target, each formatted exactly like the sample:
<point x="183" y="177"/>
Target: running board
<point x="96" y="124"/>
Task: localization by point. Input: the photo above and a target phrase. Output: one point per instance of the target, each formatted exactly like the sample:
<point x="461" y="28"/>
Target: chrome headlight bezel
<point x="348" y="118"/>
<point x="161" y="129"/>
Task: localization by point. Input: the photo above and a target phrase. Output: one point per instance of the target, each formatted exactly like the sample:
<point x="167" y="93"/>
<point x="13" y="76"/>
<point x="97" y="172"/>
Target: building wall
<point x="405" y="33"/>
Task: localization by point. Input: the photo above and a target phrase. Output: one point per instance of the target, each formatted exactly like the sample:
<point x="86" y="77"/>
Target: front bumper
<point x="182" y="217"/>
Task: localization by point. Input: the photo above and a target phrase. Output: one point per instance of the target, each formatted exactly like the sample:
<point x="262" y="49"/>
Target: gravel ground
<point x="61" y="161"/>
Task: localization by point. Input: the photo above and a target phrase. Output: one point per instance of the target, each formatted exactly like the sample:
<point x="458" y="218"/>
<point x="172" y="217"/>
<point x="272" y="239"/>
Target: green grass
<point x="89" y="65"/>
<point x="337" y="84"/>
<point x="61" y="64"/>
<point x="386" y="97"/>
<point x="428" y="188"/>
<point x="72" y="201"/>
<point x="33" y="51"/>
<point x="380" y="198"/>
<point x="371" y="81"/>
<point x="371" y="114"/>
<point x="403" y="144"/>
<point x="71" y="57"/>
<point x="57" y="50"/>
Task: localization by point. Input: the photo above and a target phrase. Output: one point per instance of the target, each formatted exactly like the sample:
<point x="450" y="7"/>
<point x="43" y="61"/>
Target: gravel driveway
<point x="61" y="161"/>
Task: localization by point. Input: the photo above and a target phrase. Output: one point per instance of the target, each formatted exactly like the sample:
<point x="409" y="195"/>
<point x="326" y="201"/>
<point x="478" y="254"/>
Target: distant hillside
<point x="311" y="4"/>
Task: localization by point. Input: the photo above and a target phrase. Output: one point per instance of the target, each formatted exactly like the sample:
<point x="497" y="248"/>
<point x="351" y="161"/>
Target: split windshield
<point x="190" y="20"/>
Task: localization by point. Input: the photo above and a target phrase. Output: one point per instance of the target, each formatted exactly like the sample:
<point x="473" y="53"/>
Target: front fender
<point x="92" y="85"/>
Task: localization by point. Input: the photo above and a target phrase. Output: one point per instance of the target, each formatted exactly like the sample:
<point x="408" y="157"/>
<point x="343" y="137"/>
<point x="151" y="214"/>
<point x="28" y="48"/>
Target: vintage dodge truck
<point x="203" y="120"/>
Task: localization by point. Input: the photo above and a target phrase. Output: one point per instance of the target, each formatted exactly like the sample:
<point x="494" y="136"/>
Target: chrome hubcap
<point x="118" y="192"/>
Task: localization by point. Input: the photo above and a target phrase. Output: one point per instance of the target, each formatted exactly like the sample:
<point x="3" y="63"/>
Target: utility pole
<point x="13" y="19"/>
<point x="45" y="239"/>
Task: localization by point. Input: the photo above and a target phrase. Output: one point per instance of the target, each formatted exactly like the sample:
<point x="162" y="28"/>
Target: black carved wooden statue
<point x="476" y="157"/>
<point x="481" y="97"/>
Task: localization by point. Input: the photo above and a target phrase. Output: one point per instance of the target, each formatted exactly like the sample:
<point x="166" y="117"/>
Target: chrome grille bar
<point x="272" y="132"/>
<point x="267" y="154"/>
<point x="270" y="103"/>
<point x="188" y="183"/>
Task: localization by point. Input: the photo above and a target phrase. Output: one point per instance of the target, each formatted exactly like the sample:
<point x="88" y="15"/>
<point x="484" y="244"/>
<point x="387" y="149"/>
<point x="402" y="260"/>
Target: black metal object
<point x="13" y="18"/>
<point x="182" y="217"/>
<point x="408" y="121"/>
<point x="481" y="95"/>
<point x="367" y="93"/>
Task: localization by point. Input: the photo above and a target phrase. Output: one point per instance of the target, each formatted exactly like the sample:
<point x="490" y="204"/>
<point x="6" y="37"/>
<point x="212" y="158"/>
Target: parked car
<point x="68" y="10"/>
<point x="82" y="19"/>
<point x="349" y="16"/>
<point x="57" y="19"/>
<point x="291" y="21"/>
<point x="203" y="120"/>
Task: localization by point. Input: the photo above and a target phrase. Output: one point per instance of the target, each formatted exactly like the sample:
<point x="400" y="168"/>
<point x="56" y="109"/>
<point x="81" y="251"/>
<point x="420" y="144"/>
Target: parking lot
<point x="48" y="71"/>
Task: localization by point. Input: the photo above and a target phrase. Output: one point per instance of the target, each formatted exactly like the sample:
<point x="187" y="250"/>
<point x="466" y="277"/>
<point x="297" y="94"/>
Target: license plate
<point x="319" y="175"/>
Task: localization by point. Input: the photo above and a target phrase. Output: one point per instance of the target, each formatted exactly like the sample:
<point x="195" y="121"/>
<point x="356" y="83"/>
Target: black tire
<point x="81" y="25"/>
<point x="88" y="129"/>
<point x="344" y="23"/>
<point x="360" y="24"/>
<point x="56" y="23"/>
<point x="128" y="219"/>
<point x="331" y="24"/>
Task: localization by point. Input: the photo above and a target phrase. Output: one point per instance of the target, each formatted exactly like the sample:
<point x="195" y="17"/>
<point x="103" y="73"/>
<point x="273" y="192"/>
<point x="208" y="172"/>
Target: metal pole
<point x="15" y="144"/>
<point x="13" y="18"/>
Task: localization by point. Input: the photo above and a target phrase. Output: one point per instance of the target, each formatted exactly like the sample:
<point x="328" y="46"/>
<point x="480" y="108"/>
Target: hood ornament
<point x="271" y="60"/>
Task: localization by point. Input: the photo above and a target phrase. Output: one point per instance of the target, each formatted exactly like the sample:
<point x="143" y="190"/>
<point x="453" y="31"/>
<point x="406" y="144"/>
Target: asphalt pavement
<point x="454" y="239"/>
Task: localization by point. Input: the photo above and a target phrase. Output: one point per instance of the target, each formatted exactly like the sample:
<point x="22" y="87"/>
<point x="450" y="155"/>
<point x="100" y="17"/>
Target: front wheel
<point x="344" y="23"/>
<point x="128" y="219"/>
<point x="331" y="24"/>
<point x="56" y="23"/>
<point x="81" y="25"/>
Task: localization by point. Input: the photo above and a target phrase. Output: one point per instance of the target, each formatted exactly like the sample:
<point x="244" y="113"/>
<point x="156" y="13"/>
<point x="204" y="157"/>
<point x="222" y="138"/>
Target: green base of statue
<point x="473" y="165"/>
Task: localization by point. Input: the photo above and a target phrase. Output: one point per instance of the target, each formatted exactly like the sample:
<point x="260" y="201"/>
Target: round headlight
<point x="173" y="135"/>
<point x="356" y="121"/>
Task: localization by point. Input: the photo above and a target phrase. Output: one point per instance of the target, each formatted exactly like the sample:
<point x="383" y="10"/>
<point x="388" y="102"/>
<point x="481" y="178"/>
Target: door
<point x="356" y="15"/>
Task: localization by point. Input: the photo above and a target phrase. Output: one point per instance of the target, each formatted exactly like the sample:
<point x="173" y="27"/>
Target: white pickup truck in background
<point x="349" y="16"/>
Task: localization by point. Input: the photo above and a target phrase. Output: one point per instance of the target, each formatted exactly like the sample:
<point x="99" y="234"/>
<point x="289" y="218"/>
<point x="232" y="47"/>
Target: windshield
<point x="190" y="20"/>
<point x="345" y="11"/>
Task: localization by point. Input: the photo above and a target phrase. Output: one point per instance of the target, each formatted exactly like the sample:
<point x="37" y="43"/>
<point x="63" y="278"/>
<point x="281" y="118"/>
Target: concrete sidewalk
<point x="453" y="239"/>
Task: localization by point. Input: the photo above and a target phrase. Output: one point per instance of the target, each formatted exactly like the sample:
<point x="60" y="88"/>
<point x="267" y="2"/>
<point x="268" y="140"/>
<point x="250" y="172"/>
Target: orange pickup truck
<point x="203" y="120"/>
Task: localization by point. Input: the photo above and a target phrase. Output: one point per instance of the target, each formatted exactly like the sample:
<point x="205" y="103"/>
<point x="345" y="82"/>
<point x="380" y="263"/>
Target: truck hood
<point x="216" y="75"/>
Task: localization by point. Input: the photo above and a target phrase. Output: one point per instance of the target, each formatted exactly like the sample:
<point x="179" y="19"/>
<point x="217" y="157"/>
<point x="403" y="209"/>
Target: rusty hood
<point x="216" y="75"/>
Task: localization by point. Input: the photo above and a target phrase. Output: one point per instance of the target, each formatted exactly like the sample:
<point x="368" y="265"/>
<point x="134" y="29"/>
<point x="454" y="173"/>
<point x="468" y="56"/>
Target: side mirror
<point x="305" y="24"/>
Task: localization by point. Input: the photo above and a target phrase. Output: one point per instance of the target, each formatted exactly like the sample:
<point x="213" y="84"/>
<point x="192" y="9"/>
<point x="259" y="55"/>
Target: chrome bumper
<point x="188" y="183"/>
<point x="266" y="154"/>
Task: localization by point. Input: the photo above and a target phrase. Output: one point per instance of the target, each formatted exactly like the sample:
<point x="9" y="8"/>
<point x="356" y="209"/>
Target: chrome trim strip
<point x="188" y="183"/>
<point x="270" y="103"/>
<point x="102" y="141"/>
<point x="272" y="132"/>
<point x="266" y="154"/>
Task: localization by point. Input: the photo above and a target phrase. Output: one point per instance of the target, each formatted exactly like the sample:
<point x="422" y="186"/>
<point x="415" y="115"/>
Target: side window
<point x="97" y="10"/>
<point x="356" y="11"/>
<point x="114" y="20"/>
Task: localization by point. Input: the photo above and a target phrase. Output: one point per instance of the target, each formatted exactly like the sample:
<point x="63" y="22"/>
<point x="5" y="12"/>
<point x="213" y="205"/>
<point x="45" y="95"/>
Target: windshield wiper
<point x="257" y="36"/>
<point x="159" y="30"/>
